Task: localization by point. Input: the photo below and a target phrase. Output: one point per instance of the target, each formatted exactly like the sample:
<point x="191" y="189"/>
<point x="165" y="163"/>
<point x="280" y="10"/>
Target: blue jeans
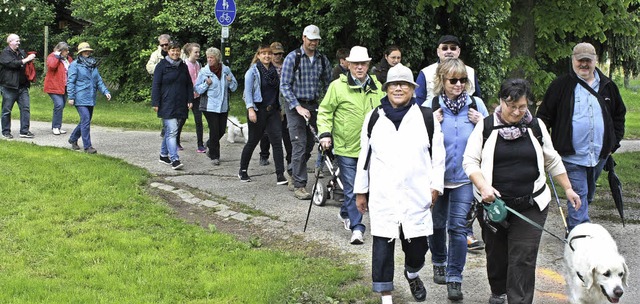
<point x="58" y="106"/>
<point x="169" y="145"/>
<point x="348" y="167"/>
<point x="84" y="127"/>
<point x="382" y="259"/>
<point x="583" y="181"/>
<point x="452" y="208"/>
<point x="9" y="97"/>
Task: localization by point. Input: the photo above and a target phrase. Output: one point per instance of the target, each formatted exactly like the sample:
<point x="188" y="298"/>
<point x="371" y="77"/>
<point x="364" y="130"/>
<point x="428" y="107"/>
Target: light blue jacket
<point x="216" y="98"/>
<point x="83" y="84"/>
<point x="252" y="93"/>
<point x="456" y="130"/>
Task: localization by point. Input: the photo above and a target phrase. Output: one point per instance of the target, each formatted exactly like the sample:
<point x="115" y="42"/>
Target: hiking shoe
<point x="345" y="222"/>
<point x="7" y="135"/>
<point x="176" y="165"/>
<point x="417" y="288"/>
<point x="318" y="172"/>
<point x="215" y="162"/>
<point x="454" y="291"/>
<point x="74" y="145"/>
<point x="290" y="184"/>
<point x="165" y="160"/>
<point x="27" y="135"/>
<point x="474" y="244"/>
<point x="302" y="194"/>
<point x="244" y="177"/>
<point x="91" y="150"/>
<point x="201" y="149"/>
<point x="280" y="179"/>
<point x="439" y="273"/>
<point x="357" y="238"/>
<point x="498" y="299"/>
<point x="264" y="161"/>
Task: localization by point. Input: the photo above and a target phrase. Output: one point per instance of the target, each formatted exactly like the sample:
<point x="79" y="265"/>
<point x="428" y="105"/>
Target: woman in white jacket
<point x="399" y="183"/>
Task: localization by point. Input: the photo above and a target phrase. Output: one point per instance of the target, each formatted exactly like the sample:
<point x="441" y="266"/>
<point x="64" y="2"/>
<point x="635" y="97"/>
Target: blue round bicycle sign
<point x="225" y="12"/>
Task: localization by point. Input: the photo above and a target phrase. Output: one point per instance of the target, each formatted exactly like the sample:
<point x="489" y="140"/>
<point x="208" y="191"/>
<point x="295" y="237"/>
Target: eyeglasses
<point x="453" y="48"/>
<point x="164" y="44"/>
<point x="454" y="81"/>
<point x="402" y="85"/>
<point x="512" y="108"/>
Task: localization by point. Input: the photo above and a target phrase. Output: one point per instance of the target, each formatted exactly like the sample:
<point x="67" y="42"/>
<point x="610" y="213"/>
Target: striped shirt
<point x="308" y="82"/>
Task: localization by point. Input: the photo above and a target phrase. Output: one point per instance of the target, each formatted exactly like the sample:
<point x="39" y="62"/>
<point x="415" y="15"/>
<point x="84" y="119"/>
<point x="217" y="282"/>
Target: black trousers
<point x="197" y="117"/>
<point x="269" y="123"/>
<point x="264" y="142"/>
<point x="512" y="253"/>
<point x="217" y="126"/>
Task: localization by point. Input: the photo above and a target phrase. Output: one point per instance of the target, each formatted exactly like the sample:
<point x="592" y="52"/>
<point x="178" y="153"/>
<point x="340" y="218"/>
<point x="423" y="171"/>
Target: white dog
<point x="595" y="271"/>
<point x="236" y="130"/>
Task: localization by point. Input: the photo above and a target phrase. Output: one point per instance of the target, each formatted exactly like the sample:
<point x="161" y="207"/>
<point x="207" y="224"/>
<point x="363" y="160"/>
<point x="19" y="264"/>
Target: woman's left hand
<point x="474" y="116"/>
<point x="574" y="198"/>
<point x="252" y="115"/>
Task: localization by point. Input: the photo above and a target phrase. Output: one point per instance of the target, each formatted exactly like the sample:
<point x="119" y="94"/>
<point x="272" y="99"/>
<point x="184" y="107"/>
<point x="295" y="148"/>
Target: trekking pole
<point x="564" y="220"/>
<point x="317" y="173"/>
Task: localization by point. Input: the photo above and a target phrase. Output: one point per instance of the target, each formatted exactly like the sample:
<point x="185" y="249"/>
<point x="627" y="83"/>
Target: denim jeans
<point x="583" y="181"/>
<point x="169" y="145"/>
<point x="9" y="97"/>
<point x="302" y="142"/>
<point x="348" y="166"/>
<point x="450" y="213"/>
<point x="382" y="259"/>
<point x="267" y="122"/>
<point x="58" y="106"/>
<point x="84" y="126"/>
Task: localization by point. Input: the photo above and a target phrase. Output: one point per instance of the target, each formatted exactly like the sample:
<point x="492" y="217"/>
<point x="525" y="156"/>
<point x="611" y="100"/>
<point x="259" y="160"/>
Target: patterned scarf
<point x="270" y="74"/>
<point x="455" y="105"/>
<point x="512" y="131"/>
<point x="90" y="62"/>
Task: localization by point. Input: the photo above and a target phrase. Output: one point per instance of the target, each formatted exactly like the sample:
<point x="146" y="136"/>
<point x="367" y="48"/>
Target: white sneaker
<point x="357" y="238"/>
<point x="56" y="131"/>
<point x="62" y="131"/>
<point x="345" y="222"/>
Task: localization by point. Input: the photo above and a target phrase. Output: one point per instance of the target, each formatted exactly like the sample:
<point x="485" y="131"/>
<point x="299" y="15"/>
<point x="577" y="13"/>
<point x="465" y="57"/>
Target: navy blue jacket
<point x="171" y="90"/>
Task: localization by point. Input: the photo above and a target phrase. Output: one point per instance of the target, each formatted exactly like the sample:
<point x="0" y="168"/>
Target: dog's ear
<point x="625" y="274"/>
<point x="588" y="278"/>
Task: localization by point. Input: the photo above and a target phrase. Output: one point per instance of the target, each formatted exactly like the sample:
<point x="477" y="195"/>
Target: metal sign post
<point x="225" y="15"/>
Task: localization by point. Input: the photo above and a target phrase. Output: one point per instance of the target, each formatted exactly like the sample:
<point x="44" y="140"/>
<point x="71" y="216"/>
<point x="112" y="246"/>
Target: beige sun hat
<point x="84" y="46"/>
<point x="397" y="73"/>
<point x="358" y="54"/>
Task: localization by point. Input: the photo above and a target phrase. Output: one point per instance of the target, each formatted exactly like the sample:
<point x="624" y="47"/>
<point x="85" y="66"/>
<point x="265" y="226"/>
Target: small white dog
<point x="236" y="130"/>
<point x="595" y="271"/>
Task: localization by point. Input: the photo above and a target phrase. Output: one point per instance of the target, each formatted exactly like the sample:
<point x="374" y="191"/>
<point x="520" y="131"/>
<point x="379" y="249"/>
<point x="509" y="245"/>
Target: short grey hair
<point x="164" y="36"/>
<point x="61" y="46"/>
<point x="214" y="52"/>
<point x="12" y="37"/>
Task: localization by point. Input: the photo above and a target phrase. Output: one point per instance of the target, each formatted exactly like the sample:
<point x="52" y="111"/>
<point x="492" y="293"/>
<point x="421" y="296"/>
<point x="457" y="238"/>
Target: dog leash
<point x="237" y="126"/>
<point x="528" y="220"/>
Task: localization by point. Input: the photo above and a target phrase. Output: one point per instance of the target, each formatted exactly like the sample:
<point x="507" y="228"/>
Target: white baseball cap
<point x="312" y="32"/>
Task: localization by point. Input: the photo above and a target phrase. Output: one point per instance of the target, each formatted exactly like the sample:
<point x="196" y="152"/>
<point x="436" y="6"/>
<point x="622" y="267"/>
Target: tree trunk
<point x="522" y="39"/>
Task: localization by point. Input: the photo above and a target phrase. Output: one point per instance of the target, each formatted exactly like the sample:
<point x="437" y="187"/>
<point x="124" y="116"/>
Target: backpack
<point x="296" y="64"/>
<point x="427" y="116"/>
<point x="489" y="127"/>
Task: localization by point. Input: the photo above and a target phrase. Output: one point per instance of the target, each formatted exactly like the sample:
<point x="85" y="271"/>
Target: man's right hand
<point x="303" y="112"/>
<point x="325" y="142"/>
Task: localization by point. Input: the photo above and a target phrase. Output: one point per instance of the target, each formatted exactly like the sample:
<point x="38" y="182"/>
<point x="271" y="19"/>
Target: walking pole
<point x="564" y="220"/>
<point x="313" y="191"/>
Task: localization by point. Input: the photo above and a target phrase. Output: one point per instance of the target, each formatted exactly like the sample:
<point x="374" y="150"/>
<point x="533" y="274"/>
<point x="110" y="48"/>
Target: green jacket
<point x="343" y="109"/>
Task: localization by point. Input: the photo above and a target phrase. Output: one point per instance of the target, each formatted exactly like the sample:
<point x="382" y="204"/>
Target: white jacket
<point x="401" y="174"/>
<point x="477" y="159"/>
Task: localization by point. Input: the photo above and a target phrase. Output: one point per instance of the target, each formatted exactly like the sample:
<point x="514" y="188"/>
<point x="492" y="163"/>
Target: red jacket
<point x="55" y="82"/>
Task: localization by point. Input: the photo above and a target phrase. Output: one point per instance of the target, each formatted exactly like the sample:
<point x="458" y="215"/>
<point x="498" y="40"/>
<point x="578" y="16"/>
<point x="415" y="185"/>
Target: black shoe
<point x="27" y="135"/>
<point x="244" y="177"/>
<point x="454" y="291"/>
<point x="176" y="165"/>
<point x="439" y="275"/>
<point x="91" y="150"/>
<point x="417" y="288"/>
<point x="74" y="145"/>
<point x="498" y="299"/>
<point x="264" y="161"/>
<point x="165" y="160"/>
<point x="281" y="180"/>
<point x="7" y="135"/>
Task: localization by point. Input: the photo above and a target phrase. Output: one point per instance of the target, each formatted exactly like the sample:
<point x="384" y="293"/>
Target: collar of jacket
<point x="604" y="80"/>
<point x="370" y="86"/>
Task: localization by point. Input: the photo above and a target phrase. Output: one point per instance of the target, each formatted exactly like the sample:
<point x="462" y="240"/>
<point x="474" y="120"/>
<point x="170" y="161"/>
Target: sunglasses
<point x="449" y="47"/>
<point x="454" y="81"/>
<point x="164" y="44"/>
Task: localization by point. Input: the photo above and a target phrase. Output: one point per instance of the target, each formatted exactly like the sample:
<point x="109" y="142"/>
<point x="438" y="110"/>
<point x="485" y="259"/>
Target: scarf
<point x="455" y="105"/>
<point x="270" y="75"/>
<point x="216" y="69"/>
<point x="514" y="131"/>
<point x="396" y="114"/>
<point x="90" y="62"/>
<point x="174" y="63"/>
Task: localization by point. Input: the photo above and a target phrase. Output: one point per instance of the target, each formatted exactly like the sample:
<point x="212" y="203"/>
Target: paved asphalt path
<point x="141" y="148"/>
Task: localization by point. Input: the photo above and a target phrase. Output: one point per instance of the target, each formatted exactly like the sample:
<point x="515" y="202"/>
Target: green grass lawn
<point x="78" y="228"/>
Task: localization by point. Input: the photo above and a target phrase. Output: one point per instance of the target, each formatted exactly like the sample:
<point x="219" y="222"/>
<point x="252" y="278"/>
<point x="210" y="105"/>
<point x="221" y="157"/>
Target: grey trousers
<point x="302" y="142"/>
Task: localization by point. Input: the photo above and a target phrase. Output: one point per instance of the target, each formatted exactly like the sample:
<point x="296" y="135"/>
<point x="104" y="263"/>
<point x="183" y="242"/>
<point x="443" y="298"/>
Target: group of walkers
<point x="414" y="155"/>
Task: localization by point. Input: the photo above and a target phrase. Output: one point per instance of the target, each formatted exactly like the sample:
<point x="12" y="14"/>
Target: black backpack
<point x="296" y="64"/>
<point x="427" y="116"/>
<point x="489" y="127"/>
